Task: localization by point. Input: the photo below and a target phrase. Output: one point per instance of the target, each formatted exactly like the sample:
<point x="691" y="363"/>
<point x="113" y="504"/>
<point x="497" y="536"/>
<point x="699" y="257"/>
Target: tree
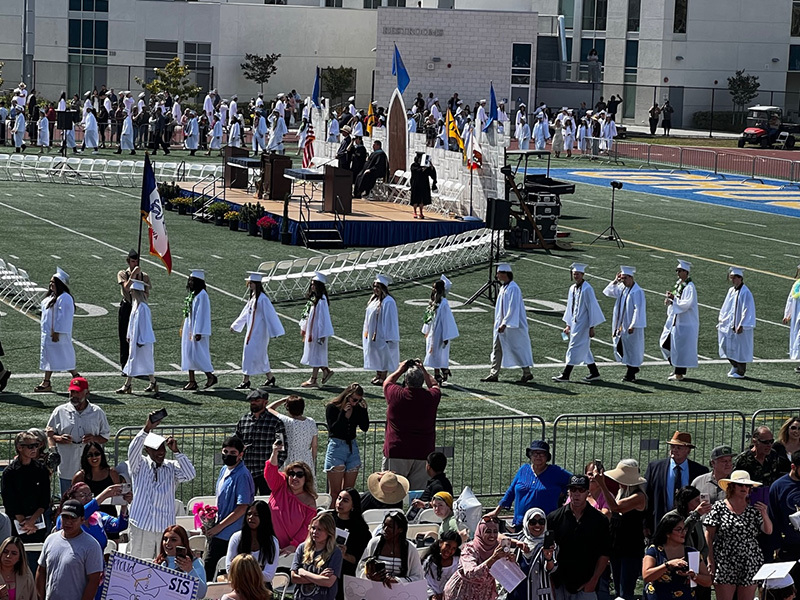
<point x="173" y="78"/>
<point x="337" y="81"/>
<point x="743" y="88"/>
<point x="260" y="68"/>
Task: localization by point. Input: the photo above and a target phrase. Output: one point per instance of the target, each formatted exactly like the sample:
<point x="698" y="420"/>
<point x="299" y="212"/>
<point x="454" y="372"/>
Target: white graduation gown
<point x="208" y="107"/>
<point x="90" y="133"/>
<point x="541" y="133"/>
<point x="738" y="310"/>
<point x="582" y="137"/>
<point x="792" y="312"/>
<point x="176" y="111"/>
<point x="569" y="136"/>
<point x="381" y="342"/>
<point x="412" y="125"/>
<point x="216" y="136"/>
<point x="233" y="110"/>
<point x="276" y="135"/>
<point x="582" y="313"/>
<point x="608" y="133"/>
<point x="629" y="311"/>
<point x="259" y="134"/>
<point x="518" y="123"/>
<point x="439" y="331"/>
<point x="333" y="131"/>
<point x="683" y="323"/>
<point x="235" y="136"/>
<point x="126" y="137"/>
<point x="62" y="105"/>
<point x="524" y="137"/>
<point x="192" y="134"/>
<point x="140" y="331"/>
<point x="60" y="355"/>
<point x="515" y="341"/>
<point x="44" y="131"/>
<point x="196" y="356"/>
<point x="319" y="329"/>
<point x="19" y="130"/>
<point x="262" y="324"/>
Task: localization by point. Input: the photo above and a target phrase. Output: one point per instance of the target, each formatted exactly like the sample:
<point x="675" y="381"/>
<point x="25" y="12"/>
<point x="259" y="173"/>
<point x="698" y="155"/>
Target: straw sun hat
<point x="388" y="487"/>
<point x="741" y="477"/>
<point x="626" y="473"/>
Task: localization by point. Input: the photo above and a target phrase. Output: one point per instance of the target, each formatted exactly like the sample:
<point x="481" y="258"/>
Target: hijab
<point x="483" y="548"/>
<point x="534" y="543"/>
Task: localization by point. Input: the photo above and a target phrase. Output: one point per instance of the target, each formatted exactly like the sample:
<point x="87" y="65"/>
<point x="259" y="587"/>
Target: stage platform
<point x="372" y="224"/>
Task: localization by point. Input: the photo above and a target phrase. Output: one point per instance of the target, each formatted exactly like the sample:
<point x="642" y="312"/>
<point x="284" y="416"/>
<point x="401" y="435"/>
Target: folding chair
<point x="195" y="172"/>
<point x="281" y="582"/>
<point x="277" y="280"/>
<point x="126" y="173"/>
<point x="69" y="173"/>
<point x="85" y="171"/>
<point x="28" y="170"/>
<point x="111" y="172"/>
<point x="4" y="165"/>
<point x="267" y="267"/>
<point x="302" y="270"/>
<point x="215" y="590"/>
<point x="42" y="170"/>
<point x="341" y="269"/>
<point x="15" y="166"/>
<point x="208" y="170"/>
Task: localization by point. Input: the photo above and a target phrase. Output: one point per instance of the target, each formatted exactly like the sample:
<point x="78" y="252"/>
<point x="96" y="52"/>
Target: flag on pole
<point x="153" y="215"/>
<point x="452" y="130"/>
<point x="492" y="107"/>
<point x="315" y="93"/>
<point x="308" y="146"/>
<point x="399" y="71"/>
<point x="474" y="152"/>
<point x="370" y="119"/>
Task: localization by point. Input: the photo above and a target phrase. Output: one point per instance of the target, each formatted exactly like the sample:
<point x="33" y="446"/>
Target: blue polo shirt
<point x="234" y="487"/>
<point x="528" y="490"/>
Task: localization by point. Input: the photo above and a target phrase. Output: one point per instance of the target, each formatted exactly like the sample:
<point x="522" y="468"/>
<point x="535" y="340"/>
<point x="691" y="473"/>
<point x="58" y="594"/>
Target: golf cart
<point x="765" y="127"/>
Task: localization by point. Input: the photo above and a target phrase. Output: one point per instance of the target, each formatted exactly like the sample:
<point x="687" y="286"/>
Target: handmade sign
<point x="364" y="589"/>
<point x="130" y="578"/>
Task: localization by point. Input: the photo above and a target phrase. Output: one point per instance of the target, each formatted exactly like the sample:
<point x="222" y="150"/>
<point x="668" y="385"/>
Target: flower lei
<point x="187" y="305"/>
<point x="430" y="312"/>
<point x="796" y="290"/>
<point x="680" y="285"/>
<point x="307" y="309"/>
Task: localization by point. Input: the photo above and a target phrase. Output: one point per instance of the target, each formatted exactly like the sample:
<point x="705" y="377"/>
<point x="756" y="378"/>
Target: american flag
<point x="308" y="147"/>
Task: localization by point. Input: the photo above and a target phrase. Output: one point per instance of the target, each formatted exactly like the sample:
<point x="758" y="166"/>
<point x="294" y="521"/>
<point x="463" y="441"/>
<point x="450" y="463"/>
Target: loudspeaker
<point x="65" y="119"/>
<point x="498" y="214"/>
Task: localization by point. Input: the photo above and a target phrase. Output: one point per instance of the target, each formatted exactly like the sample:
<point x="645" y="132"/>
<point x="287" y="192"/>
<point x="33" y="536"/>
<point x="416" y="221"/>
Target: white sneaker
<point x="95" y="152"/>
<point x="731" y="372"/>
<point x="675" y="377"/>
<point x="590" y="377"/>
<point x="737" y="376"/>
<point x="560" y="378"/>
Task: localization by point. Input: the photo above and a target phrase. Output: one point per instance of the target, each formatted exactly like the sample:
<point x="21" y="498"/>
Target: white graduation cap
<point x="736" y="271"/>
<point x="384" y="279"/>
<point x="87" y="94"/>
<point x="483" y="101"/>
<point x="578" y="267"/>
<point x="234" y="97"/>
<point x="447" y="283"/>
<point x="141" y="95"/>
<point x="521" y="104"/>
<point x="684" y="264"/>
<point x="319" y="277"/>
<point x="126" y="92"/>
<point x="505" y="267"/>
<point x="138" y="284"/>
<point x="198" y="274"/>
<point x="563" y="108"/>
<point x="775" y="575"/>
<point x="154" y="441"/>
<point x="254" y="276"/>
<point x="351" y="99"/>
<point x="62" y="275"/>
<point x="627" y="270"/>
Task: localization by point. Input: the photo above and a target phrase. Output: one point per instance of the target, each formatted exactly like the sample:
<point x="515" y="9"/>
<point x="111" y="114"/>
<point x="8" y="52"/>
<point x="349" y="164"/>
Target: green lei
<point x="309" y="305"/>
<point x="680" y="285"/>
<point x="430" y="312"/>
<point x="187" y="305"/>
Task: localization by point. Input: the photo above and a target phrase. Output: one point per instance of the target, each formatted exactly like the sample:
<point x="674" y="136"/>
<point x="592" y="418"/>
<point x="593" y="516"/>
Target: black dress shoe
<point x="4" y="380"/>
<point x="525" y="378"/>
<point x="490" y="379"/>
<point x="245" y="385"/>
<point x="269" y="382"/>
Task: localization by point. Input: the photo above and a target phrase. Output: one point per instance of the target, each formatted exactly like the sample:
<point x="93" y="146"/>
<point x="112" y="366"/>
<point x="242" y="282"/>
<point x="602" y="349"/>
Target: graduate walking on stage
<point x="316" y="328"/>
<point x="140" y="341"/>
<point x="196" y="330"/>
<point x="381" y="342"/>
<point x="262" y="323"/>
<point x="56" y="351"/>
<point x="737" y="319"/>
<point x="439" y="328"/>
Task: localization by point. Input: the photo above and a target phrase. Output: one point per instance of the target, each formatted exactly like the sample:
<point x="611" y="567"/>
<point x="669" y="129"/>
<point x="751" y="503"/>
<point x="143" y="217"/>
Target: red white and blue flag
<point x="153" y="215"/>
<point x="308" y="146"/>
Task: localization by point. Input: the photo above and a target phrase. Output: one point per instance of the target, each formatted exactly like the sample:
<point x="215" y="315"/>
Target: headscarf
<point x="534" y="543"/>
<point x="446" y="497"/>
<point x="483" y="548"/>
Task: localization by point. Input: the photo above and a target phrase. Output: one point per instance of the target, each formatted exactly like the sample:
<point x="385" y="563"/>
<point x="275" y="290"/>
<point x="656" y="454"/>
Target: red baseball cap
<point x="78" y="384"/>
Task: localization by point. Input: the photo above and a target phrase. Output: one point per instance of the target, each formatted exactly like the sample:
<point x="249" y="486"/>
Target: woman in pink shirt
<point x="292" y="500"/>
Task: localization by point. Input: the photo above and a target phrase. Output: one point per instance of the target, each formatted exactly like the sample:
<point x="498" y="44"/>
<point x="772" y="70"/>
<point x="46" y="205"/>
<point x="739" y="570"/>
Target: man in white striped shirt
<point x="154" y="480"/>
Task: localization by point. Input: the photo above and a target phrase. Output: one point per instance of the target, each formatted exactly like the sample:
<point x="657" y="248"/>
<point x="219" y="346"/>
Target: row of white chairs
<point x="353" y="271"/>
<point x="17" y="288"/>
<point x="445" y="201"/>
<point x="45" y="168"/>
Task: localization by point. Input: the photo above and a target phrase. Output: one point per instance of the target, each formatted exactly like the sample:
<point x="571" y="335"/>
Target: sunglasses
<point x="93" y="455"/>
<point x="538" y="521"/>
<point x="29" y="446"/>
<point x="296" y="474"/>
<point x="767" y="442"/>
<point x="794" y="427"/>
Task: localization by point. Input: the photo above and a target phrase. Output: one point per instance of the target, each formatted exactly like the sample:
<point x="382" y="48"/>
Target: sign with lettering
<point x="364" y="589"/>
<point x="418" y="31"/>
<point x="130" y="578"/>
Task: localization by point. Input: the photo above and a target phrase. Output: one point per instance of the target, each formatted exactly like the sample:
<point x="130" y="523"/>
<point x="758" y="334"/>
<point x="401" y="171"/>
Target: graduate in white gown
<point x="259" y="132"/>
<point x="629" y="321"/>
<point x="56" y="350"/>
<point x="43" y="139"/>
<point x="276" y="133"/>
<point x="679" y="337"/>
<point x="511" y="342"/>
<point x="126" y="136"/>
<point x="196" y="330"/>
<point x="333" y="129"/>
<point x="90" y="132"/>
<point x="18" y="129"/>
<point x="262" y="323"/>
<point x="791" y="317"/>
<point x="735" y="325"/>
<point x="235" y="133"/>
<point x="381" y="337"/>
<point x="541" y="132"/>
<point x="316" y="328"/>
<point x="524" y="134"/>
<point x="582" y="315"/>
<point x="439" y="328"/>
<point x="215" y="136"/>
<point x="141" y="340"/>
<point x="192" y="133"/>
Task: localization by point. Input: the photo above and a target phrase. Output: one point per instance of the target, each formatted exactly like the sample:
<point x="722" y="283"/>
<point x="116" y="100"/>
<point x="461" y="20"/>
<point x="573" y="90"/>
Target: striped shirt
<point x="153" y="506"/>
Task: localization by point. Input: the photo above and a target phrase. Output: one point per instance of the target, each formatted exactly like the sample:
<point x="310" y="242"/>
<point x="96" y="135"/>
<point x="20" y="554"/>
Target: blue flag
<point x="315" y="93"/>
<point x="492" y="107"/>
<point x="399" y="70"/>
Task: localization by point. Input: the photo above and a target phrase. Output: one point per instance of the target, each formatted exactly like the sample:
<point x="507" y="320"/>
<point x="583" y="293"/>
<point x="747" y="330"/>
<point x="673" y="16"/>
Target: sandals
<point x="269" y="382"/>
<point x="326" y="377"/>
<point x="311" y="383"/>
<point x="151" y="389"/>
<point x="125" y="389"/>
<point x="44" y="387"/>
<point x="245" y="385"/>
<point x="191" y="386"/>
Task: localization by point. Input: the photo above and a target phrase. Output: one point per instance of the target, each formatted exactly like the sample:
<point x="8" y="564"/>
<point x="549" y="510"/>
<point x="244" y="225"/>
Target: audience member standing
<point x="259" y="429"/>
<point x="784" y="499"/>
<point x="760" y="460"/>
<point x="344" y="415"/>
<point x="721" y="467"/>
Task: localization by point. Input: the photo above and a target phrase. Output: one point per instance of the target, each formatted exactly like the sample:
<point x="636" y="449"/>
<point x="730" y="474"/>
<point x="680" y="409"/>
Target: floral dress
<point x="670" y="585"/>
<point x="736" y="551"/>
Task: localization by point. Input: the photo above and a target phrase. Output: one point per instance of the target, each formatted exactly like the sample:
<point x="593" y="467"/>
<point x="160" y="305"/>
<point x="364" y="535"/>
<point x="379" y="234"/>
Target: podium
<point x="235" y="177"/>
<point x="274" y="186"/>
<point x="338" y="182"/>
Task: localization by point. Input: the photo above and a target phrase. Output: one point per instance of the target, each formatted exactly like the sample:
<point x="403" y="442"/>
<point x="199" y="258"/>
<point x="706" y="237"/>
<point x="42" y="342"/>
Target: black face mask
<point x="229" y="460"/>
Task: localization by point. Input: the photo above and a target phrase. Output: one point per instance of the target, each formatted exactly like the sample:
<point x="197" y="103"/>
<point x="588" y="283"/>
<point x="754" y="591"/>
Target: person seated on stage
<point x="376" y="168"/>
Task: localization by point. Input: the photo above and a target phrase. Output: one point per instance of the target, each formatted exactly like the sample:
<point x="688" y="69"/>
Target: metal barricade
<point x="772" y="168"/>
<point x="734" y="164"/>
<point x="634" y="151"/>
<point x="581" y="438"/>
<point x="774" y="418"/>
<point x="665" y="156"/>
<point x="697" y="158"/>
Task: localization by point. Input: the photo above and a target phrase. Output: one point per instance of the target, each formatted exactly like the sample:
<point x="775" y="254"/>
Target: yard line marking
<point x="71" y="195"/>
<point x="7" y="194"/>
<point x="623" y="256"/>
<point x="603" y="358"/>
<point x="791" y="256"/>
<point x="551" y="359"/>
<point x="14" y="256"/>
<point x="292" y="256"/>
<point x="757" y="256"/>
<point x="233" y="366"/>
<point x="254" y="256"/>
<point x="288" y="364"/>
<point x="726" y="256"/>
<point x="215" y="256"/>
<point x="636" y="199"/>
<point x="98" y="258"/>
<point x="56" y="256"/>
<point x="658" y="257"/>
<point x="176" y="367"/>
<point x="102" y="195"/>
<point x="753" y="224"/>
<point x="486" y="399"/>
<point x="589" y="256"/>
<point x="651" y="357"/>
<point x="345" y="365"/>
<point x="703" y="357"/>
<point x="174" y="256"/>
<point x="40" y="195"/>
<point x="452" y="362"/>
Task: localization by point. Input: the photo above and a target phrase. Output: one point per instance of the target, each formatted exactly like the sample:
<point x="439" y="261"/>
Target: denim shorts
<point x="339" y="452"/>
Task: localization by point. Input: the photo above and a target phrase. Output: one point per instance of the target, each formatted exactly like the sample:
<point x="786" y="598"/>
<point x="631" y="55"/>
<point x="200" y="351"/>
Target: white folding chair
<point x="85" y="171"/>
<point x="111" y="172"/>
<point x="281" y="582"/>
<point x="15" y="166"/>
<point x="427" y="516"/>
<point x="197" y="544"/>
<point x="212" y="500"/>
<point x="209" y="169"/>
<point x="267" y="267"/>
<point x="126" y="173"/>
<point x="180" y="509"/>
<point x="375" y="516"/>
<point x="195" y="172"/>
<point x="277" y="282"/>
<point x="98" y="169"/>
<point x="42" y="170"/>
<point x="69" y="174"/>
<point x="4" y="165"/>
<point x="185" y="521"/>
<point x="215" y="590"/>
<point x="323" y="500"/>
<point x="29" y="163"/>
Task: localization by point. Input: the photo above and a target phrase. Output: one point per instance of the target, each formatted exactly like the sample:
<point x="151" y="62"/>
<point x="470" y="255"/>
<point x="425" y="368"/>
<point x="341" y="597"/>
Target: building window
<point x="567" y="8"/>
<point x="796" y="18"/>
<point x="631" y="54"/>
<point x="197" y="56"/>
<point x="521" y="64"/>
<point x="794" y="57"/>
<point x="372" y="3"/>
<point x="157" y="53"/>
<point x="333" y="3"/>
<point x="679" y="20"/>
<point x="634" y="14"/>
<point x="87" y="47"/>
<point x="594" y="15"/>
<point x="400" y="3"/>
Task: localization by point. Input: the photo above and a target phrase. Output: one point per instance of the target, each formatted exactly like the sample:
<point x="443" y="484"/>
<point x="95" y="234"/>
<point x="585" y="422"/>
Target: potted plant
<point x="254" y="213"/>
<point x="266" y="224"/>
<point x="218" y="210"/>
<point x="183" y="204"/>
<point x="286" y="236"/>
<point x="168" y="192"/>
<point x="232" y="217"/>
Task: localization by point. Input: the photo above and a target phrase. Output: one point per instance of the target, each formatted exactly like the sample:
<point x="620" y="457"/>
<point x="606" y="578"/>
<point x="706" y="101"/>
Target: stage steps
<point x="321" y="238"/>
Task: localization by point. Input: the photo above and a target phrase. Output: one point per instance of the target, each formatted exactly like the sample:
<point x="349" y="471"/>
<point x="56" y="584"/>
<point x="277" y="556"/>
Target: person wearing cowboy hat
<point x="732" y="530"/>
<point x="791" y="317"/>
<point x="627" y="511"/>
<point x="721" y="464"/>
<point x="57" y="311"/>
<point x="667" y="475"/>
<point x="681" y="330"/>
<point x="386" y="489"/>
<point x="761" y="460"/>
<point x="736" y="321"/>
<point x="343" y="151"/>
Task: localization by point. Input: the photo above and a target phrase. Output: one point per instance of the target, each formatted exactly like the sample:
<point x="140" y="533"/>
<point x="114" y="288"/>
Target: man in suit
<point x="376" y="168"/>
<point x="667" y="475"/>
<point x="343" y="152"/>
